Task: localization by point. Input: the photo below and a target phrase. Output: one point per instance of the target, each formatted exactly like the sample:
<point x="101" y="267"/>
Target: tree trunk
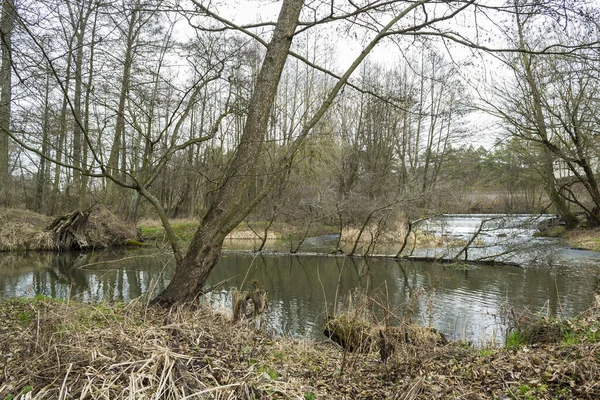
<point x="77" y="111"/>
<point x="6" y="26"/>
<point x="41" y="178"/>
<point x="60" y="139"/>
<point x="118" y="143"/>
<point x="547" y="161"/>
<point x="86" y="116"/>
<point x="224" y="213"/>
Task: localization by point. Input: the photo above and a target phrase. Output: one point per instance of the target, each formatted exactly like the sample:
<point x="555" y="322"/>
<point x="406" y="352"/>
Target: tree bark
<point x="41" y="178"/>
<point x="228" y="210"/>
<point x="117" y="144"/>
<point x="6" y="26"/>
<point x="547" y="161"/>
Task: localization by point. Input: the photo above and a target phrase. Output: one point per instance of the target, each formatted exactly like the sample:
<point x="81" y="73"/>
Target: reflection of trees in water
<point x="300" y="286"/>
<point x="64" y="270"/>
<point x="87" y="276"/>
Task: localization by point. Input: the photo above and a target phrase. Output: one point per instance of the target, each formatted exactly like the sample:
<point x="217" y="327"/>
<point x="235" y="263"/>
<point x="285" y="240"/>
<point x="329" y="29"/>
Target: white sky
<point x="473" y="69"/>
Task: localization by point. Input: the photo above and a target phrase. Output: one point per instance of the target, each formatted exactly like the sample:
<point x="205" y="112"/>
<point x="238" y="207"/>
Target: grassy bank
<point x="23" y="230"/>
<point x="60" y="350"/>
<point x="185" y="228"/>
<point x="588" y="239"/>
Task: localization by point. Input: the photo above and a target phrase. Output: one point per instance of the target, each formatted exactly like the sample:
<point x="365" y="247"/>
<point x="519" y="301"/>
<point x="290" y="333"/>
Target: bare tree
<point x="228" y="210"/>
<point x="6" y="27"/>
<point x="149" y="116"/>
<point x="551" y="106"/>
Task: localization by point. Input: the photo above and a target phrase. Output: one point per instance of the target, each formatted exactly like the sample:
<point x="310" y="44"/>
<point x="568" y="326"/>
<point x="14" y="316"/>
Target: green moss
<point x="135" y="243"/>
<point x="553" y="231"/>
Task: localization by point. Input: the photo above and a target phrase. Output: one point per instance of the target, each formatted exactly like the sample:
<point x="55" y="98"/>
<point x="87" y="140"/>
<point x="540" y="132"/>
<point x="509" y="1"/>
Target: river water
<point x="465" y="301"/>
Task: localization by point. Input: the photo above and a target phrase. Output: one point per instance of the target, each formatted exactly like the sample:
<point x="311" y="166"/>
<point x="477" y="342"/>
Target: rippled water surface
<point x="464" y="302"/>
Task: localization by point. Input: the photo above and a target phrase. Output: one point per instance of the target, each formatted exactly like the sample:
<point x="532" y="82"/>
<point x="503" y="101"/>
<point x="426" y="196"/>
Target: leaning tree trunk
<point x="229" y="207"/>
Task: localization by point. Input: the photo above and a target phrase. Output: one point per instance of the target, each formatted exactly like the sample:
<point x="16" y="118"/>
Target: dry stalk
<point x="107" y="351"/>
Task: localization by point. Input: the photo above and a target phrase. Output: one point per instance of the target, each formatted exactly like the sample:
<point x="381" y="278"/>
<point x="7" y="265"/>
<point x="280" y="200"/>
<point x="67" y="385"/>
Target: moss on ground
<point x="129" y="350"/>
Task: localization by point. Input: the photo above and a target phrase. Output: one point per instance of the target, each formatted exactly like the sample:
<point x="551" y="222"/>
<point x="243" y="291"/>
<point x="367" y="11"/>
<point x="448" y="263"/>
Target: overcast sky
<point x="474" y="67"/>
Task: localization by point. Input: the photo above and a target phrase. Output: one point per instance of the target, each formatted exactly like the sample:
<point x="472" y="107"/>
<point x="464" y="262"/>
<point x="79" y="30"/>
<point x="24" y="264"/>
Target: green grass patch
<point x="273" y="374"/>
<point x="486" y="352"/>
<point x="553" y="231"/>
<point x="310" y="396"/>
<point x="514" y="340"/>
<point x="533" y="392"/>
<point x="184" y="230"/>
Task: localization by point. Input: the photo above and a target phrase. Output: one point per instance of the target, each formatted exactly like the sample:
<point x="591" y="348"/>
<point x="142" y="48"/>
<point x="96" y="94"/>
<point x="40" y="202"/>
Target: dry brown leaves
<point x="64" y="350"/>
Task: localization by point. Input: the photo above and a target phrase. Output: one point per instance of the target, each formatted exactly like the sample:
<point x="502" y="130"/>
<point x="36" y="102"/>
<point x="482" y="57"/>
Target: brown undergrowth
<point x="61" y="350"/>
<point x="23" y="230"/>
<point x="588" y="239"/>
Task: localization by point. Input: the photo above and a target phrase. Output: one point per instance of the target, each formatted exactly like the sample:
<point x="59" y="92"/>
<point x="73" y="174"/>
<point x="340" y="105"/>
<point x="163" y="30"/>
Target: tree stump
<point x="247" y="305"/>
<point x="68" y="231"/>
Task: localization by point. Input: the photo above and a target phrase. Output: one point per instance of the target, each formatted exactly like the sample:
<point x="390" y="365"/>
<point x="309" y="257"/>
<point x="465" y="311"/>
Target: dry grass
<point x="420" y="240"/>
<point x="105" y="229"/>
<point x="153" y="222"/>
<point x="185" y="228"/>
<point x="61" y="350"/>
<point x="26" y="230"/>
<point x="74" y="350"/>
<point x="349" y="234"/>
<point x="584" y="239"/>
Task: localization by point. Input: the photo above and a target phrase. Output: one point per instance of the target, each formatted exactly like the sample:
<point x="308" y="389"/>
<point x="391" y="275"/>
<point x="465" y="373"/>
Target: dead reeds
<point x="62" y="350"/>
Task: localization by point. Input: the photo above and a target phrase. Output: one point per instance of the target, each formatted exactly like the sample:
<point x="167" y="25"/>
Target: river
<point x="464" y="301"/>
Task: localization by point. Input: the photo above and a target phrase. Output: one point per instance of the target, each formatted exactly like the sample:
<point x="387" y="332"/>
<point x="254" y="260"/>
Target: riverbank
<point x="152" y="230"/>
<point x="23" y="230"/>
<point x="56" y="349"/>
<point x="586" y="239"/>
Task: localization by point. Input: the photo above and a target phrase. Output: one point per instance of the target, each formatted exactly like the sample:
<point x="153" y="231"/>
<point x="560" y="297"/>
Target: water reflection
<point x="109" y="274"/>
<point x="463" y="303"/>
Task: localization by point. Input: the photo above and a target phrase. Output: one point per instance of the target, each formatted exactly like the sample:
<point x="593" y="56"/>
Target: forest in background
<point x="98" y="96"/>
<point x="162" y="108"/>
<point x="168" y="109"/>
